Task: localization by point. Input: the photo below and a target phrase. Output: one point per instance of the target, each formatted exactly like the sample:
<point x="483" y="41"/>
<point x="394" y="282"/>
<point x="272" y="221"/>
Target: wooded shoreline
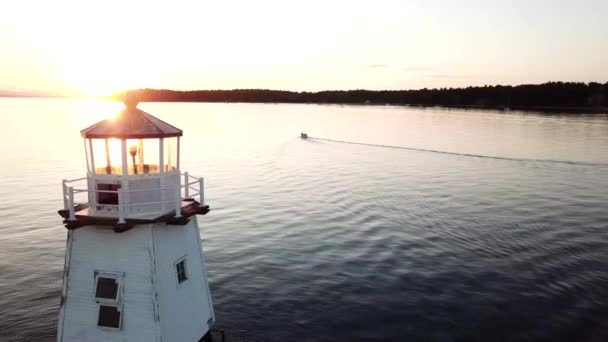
<point x="549" y="97"/>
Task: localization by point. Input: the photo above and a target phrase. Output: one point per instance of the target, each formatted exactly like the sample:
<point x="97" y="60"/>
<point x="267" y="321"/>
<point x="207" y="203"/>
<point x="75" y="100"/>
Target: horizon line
<point x="46" y="94"/>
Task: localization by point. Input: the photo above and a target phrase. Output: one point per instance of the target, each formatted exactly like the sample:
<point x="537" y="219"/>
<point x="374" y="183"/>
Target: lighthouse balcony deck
<point x="116" y="208"/>
<point x="84" y="217"/>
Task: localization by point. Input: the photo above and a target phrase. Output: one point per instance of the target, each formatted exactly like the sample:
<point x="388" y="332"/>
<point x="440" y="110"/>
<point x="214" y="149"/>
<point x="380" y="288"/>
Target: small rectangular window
<point x="180" y="267"/>
<point x="109" y="316"/>
<point x="107" y="288"/>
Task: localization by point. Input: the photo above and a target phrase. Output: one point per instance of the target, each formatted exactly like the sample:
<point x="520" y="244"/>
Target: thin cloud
<point x="377" y="66"/>
<point x="413" y="69"/>
<point x="444" y="76"/>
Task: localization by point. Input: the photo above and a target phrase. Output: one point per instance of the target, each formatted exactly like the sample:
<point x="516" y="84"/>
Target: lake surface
<point x="505" y="237"/>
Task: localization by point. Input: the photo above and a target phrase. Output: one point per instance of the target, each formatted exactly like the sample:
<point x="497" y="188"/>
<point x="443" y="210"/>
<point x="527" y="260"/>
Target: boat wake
<point x="566" y="162"/>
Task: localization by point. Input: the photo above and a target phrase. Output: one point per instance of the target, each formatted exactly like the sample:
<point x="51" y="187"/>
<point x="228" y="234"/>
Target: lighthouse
<point x="134" y="268"/>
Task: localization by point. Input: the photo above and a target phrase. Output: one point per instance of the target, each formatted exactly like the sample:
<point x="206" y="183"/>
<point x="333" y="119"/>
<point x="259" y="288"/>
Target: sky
<point x="95" y="48"/>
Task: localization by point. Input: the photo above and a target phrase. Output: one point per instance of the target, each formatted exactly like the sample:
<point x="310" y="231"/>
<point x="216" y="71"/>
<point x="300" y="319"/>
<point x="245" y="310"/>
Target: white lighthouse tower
<point x="134" y="268"/>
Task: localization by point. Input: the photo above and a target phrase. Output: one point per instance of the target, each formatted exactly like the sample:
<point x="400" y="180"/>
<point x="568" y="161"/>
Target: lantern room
<point x="132" y="143"/>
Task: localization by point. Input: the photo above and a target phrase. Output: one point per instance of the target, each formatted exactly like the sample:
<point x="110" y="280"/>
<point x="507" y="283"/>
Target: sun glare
<point x="103" y="80"/>
<point x="99" y="67"/>
<point x="91" y="111"/>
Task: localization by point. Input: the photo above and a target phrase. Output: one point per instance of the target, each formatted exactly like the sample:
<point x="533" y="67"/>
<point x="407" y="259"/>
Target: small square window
<point x="107" y="288"/>
<point x="109" y="316"/>
<point x="180" y="267"/>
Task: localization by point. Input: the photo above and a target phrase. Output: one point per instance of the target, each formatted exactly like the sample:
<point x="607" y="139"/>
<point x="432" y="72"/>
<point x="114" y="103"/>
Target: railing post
<point x="92" y="195"/>
<point x="72" y="216"/>
<point x="186" y="186"/>
<point x="65" y="193"/>
<point x="201" y="190"/>
<point x="121" y="206"/>
<point x="178" y="203"/>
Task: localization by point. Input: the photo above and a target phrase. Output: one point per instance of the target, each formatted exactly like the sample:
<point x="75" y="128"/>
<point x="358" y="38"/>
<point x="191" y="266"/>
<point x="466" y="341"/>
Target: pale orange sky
<point x="94" y="48"/>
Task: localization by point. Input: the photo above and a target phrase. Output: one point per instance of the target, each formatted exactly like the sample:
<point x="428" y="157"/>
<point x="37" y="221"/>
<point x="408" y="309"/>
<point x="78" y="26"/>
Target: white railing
<point x="183" y="192"/>
<point x="68" y="196"/>
<point x="188" y="186"/>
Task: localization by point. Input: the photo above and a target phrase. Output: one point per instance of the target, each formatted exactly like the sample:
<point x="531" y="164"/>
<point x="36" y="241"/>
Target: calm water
<point x="319" y="240"/>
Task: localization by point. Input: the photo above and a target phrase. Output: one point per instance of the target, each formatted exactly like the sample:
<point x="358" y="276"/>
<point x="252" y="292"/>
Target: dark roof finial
<point x="131" y="100"/>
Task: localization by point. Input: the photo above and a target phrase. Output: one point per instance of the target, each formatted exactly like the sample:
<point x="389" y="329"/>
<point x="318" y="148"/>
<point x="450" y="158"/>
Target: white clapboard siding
<point x="155" y="307"/>
<point x="101" y="249"/>
<point x="185" y="309"/>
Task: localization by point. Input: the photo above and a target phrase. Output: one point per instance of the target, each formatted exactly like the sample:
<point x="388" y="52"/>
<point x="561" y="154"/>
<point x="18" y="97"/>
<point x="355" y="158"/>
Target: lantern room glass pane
<point x="151" y="154"/>
<point x="143" y="156"/>
<point x="87" y="150"/>
<point x="170" y="156"/>
<point x="107" y="156"/>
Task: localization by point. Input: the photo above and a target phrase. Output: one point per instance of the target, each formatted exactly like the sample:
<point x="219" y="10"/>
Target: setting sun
<point x="100" y="72"/>
<point x="101" y="81"/>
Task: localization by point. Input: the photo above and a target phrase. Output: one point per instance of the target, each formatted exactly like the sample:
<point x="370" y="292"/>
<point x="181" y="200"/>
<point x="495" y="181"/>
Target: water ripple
<point x="311" y="240"/>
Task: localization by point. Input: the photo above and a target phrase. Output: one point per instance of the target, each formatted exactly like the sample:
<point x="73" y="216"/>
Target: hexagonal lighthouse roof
<point x="131" y="123"/>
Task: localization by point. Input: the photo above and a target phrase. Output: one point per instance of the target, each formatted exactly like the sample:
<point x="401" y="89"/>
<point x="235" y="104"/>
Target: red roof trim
<point x="131" y="124"/>
<point x="131" y="136"/>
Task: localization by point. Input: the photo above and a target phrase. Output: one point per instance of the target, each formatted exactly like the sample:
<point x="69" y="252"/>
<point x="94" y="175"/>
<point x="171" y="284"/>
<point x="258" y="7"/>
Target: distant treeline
<point x="569" y="96"/>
